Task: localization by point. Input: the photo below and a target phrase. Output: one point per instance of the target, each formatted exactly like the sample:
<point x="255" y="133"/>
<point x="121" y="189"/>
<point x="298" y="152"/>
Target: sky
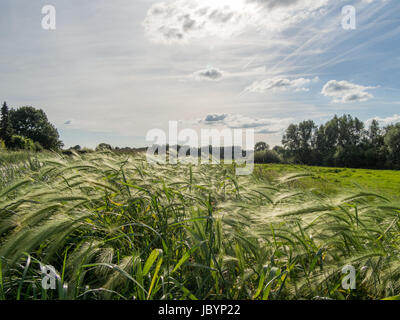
<point x="113" y="70"/>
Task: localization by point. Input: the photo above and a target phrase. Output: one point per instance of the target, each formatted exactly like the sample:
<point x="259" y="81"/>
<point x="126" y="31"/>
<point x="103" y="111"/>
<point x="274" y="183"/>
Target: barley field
<point x="115" y="227"/>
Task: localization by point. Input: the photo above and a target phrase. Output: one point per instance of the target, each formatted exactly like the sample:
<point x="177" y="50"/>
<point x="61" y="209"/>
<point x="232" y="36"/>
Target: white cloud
<point x="280" y="84"/>
<point x="385" y="121"/>
<point x="212" y="74"/>
<point x="346" y="92"/>
<point x="237" y="121"/>
<point x="183" y="20"/>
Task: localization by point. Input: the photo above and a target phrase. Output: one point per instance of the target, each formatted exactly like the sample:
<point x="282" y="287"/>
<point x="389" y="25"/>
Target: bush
<point x="267" y="156"/>
<point x="21" y="143"/>
<point x="85" y="150"/>
<point x="103" y="147"/>
<point x="38" y="147"/>
<point x="29" y="144"/>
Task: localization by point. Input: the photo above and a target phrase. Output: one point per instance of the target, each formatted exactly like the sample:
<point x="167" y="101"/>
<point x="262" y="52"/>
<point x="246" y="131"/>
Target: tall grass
<point x="115" y="227"/>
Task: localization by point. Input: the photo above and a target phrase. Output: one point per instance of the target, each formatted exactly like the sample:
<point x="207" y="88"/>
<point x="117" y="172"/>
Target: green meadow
<point x="114" y="227"/>
<point x="338" y="180"/>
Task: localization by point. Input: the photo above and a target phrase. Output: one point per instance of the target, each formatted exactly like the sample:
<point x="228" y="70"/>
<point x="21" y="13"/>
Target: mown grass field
<point x="339" y="180"/>
<point x="114" y="227"/>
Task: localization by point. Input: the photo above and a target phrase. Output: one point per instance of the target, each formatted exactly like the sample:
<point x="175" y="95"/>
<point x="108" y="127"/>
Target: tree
<point x="392" y="141"/>
<point x="103" y="147"/>
<point x="307" y="141"/>
<point x="6" y="130"/>
<point x="351" y="131"/>
<point x="351" y="142"/>
<point x="33" y="124"/>
<point x="281" y="152"/>
<point x="291" y="140"/>
<point x="261" y="146"/>
<point x="341" y="142"/>
<point x="267" y="156"/>
<point x="299" y="141"/>
<point x="375" y="149"/>
<point x="375" y="134"/>
<point x="326" y="142"/>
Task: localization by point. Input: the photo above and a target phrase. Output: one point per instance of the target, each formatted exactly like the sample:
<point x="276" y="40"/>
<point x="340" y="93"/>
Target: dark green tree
<point x="103" y="147"/>
<point x="33" y="124"/>
<point x="326" y="142"/>
<point x="6" y="129"/>
<point x="351" y="142"/>
<point x="291" y="139"/>
<point x="375" y="149"/>
<point x="375" y="134"/>
<point x="392" y="141"/>
<point x="307" y="141"/>
<point x="299" y="140"/>
<point x="341" y="142"/>
<point x="261" y="146"/>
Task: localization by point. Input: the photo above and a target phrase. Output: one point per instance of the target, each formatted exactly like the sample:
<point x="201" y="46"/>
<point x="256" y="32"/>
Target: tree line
<point x="340" y="142"/>
<point x="27" y="128"/>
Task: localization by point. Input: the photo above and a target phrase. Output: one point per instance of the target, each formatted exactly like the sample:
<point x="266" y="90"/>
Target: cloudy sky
<point x="112" y="70"/>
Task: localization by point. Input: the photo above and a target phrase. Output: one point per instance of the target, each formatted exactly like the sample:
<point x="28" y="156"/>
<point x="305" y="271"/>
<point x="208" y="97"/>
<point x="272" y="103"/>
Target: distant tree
<point x="375" y="149"/>
<point x="291" y="139"/>
<point x="6" y="129"/>
<point x="261" y="146"/>
<point x="326" y="142"/>
<point x="307" y="141"/>
<point x="351" y="142"/>
<point x="77" y="147"/>
<point x="392" y="141"/>
<point x="103" y="146"/>
<point x="33" y="124"/>
<point x="267" y="156"/>
<point x="375" y="134"/>
<point x="299" y="141"/>
<point x="351" y="131"/>
<point x="342" y="142"/>
<point x="281" y="152"/>
<point x="279" y="149"/>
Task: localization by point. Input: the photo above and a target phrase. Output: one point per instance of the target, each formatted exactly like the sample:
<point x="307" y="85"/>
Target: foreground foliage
<point x="116" y="228"/>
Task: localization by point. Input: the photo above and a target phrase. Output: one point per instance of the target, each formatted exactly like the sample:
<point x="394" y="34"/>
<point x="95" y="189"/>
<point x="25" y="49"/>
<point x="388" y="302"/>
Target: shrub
<point x="103" y="147"/>
<point x="30" y="144"/>
<point x="21" y="143"/>
<point x="267" y="156"/>
<point x="85" y="150"/>
<point x="38" y="147"/>
<point x="77" y="148"/>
